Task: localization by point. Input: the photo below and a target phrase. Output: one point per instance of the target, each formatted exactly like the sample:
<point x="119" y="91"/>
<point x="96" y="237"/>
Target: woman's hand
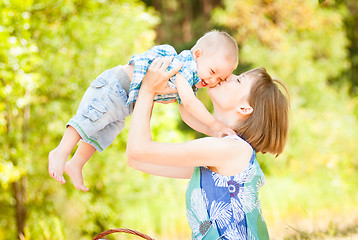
<point x="156" y="79"/>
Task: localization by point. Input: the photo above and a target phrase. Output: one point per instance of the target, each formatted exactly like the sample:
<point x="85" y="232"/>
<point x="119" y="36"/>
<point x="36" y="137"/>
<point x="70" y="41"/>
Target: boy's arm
<point x="197" y="109"/>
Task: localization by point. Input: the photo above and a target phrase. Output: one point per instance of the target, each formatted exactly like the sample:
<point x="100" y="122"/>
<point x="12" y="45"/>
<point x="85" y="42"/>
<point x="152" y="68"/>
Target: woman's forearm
<point x="160" y="170"/>
<point x="139" y="131"/>
<point x="155" y="82"/>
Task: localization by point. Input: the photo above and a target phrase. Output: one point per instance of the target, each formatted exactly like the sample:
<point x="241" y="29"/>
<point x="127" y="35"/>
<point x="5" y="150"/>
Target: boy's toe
<point x="62" y="180"/>
<point x="83" y="188"/>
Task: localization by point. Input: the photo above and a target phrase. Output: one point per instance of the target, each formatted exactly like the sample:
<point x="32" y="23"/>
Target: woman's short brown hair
<point x="267" y="126"/>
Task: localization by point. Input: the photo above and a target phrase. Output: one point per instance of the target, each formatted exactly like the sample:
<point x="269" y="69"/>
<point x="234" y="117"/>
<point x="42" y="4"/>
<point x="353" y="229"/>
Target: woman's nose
<point x="231" y="77"/>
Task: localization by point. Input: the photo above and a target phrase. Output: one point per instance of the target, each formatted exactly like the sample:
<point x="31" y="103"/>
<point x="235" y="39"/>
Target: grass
<point x="317" y="206"/>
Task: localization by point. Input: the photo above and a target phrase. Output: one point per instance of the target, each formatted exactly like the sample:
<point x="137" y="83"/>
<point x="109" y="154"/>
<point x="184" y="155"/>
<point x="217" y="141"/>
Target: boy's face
<point x="213" y="69"/>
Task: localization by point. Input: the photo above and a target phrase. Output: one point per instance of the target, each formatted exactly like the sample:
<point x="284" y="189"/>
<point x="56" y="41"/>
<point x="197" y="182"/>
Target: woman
<point x="222" y="196"/>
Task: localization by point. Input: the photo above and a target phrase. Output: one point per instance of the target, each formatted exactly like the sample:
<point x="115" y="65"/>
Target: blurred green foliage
<point x="50" y="51"/>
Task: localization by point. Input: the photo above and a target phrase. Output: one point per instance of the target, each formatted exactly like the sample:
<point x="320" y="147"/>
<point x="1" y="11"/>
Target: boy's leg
<point x="74" y="167"/>
<point x="58" y="156"/>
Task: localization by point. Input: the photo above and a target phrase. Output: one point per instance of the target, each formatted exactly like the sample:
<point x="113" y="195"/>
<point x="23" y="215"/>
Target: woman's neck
<point x="230" y="118"/>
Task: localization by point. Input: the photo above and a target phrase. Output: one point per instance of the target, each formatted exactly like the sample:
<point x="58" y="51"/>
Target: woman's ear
<point x="197" y="53"/>
<point x="245" y="110"/>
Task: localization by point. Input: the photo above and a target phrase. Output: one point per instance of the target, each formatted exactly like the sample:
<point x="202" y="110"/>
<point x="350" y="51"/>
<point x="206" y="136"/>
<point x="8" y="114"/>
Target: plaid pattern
<point x="142" y="61"/>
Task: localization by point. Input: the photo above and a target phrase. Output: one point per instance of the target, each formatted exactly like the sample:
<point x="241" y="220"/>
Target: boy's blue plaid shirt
<point x="142" y="61"/>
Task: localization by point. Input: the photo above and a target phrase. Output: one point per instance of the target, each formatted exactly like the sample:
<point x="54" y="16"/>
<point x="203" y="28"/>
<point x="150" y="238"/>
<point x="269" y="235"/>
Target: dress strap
<point x="234" y="136"/>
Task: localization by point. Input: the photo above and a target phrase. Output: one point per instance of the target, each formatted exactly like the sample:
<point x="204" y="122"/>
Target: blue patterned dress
<point x="226" y="207"/>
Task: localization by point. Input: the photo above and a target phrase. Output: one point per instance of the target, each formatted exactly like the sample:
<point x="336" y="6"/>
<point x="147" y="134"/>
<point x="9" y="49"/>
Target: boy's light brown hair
<point x="267" y="126"/>
<point x="218" y="42"/>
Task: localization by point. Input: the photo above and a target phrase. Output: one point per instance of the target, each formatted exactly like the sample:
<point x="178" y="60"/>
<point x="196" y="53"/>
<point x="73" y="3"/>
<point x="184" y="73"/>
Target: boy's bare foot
<point x="56" y="165"/>
<point x="75" y="173"/>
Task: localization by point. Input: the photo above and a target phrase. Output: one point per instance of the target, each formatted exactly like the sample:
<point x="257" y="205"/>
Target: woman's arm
<point x="163" y="171"/>
<point x="193" y="122"/>
<point x="193" y="105"/>
<point x="226" y="155"/>
<point x="198" y="110"/>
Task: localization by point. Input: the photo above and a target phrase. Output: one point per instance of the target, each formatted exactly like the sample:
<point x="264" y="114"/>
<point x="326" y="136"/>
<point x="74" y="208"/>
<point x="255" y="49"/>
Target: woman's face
<point x="232" y="93"/>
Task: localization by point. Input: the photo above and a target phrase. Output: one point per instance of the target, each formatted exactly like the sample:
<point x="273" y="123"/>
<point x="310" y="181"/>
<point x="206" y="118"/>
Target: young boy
<point x="109" y="100"/>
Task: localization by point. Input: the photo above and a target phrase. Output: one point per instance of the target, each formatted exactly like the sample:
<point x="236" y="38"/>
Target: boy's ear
<point x="197" y="53"/>
<point x="245" y="110"/>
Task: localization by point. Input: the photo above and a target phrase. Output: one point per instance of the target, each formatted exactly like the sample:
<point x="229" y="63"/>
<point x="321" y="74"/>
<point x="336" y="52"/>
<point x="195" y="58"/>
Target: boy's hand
<point x="220" y="129"/>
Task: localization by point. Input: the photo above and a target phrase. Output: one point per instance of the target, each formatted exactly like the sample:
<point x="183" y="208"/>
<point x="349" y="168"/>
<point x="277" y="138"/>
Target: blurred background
<point x="50" y="51"/>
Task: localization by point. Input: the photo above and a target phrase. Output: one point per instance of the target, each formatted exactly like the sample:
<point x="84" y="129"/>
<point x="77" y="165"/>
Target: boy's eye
<point x="238" y="79"/>
<point x="212" y="71"/>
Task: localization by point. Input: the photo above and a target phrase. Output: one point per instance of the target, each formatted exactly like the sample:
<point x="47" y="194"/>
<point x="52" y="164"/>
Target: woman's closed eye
<point x="241" y="77"/>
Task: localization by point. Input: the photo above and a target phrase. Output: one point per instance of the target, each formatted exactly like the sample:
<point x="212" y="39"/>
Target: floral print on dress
<point x="220" y="180"/>
<point x="246" y="194"/>
<point x="197" y="215"/>
<point x="247" y="197"/>
<point x="234" y="232"/>
<point x="220" y="213"/>
<point x="261" y="182"/>
<point x="247" y="175"/>
<point x="226" y="207"/>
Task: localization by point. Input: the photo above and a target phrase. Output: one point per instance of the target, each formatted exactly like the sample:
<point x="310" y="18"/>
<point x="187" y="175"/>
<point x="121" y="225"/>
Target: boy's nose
<point x="231" y="77"/>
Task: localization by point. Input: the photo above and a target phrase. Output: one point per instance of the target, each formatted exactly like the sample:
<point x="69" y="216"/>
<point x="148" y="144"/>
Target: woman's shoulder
<point x="226" y="142"/>
<point x="231" y="143"/>
<point x="236" y="157"/>
<point x="240" y="143"/>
